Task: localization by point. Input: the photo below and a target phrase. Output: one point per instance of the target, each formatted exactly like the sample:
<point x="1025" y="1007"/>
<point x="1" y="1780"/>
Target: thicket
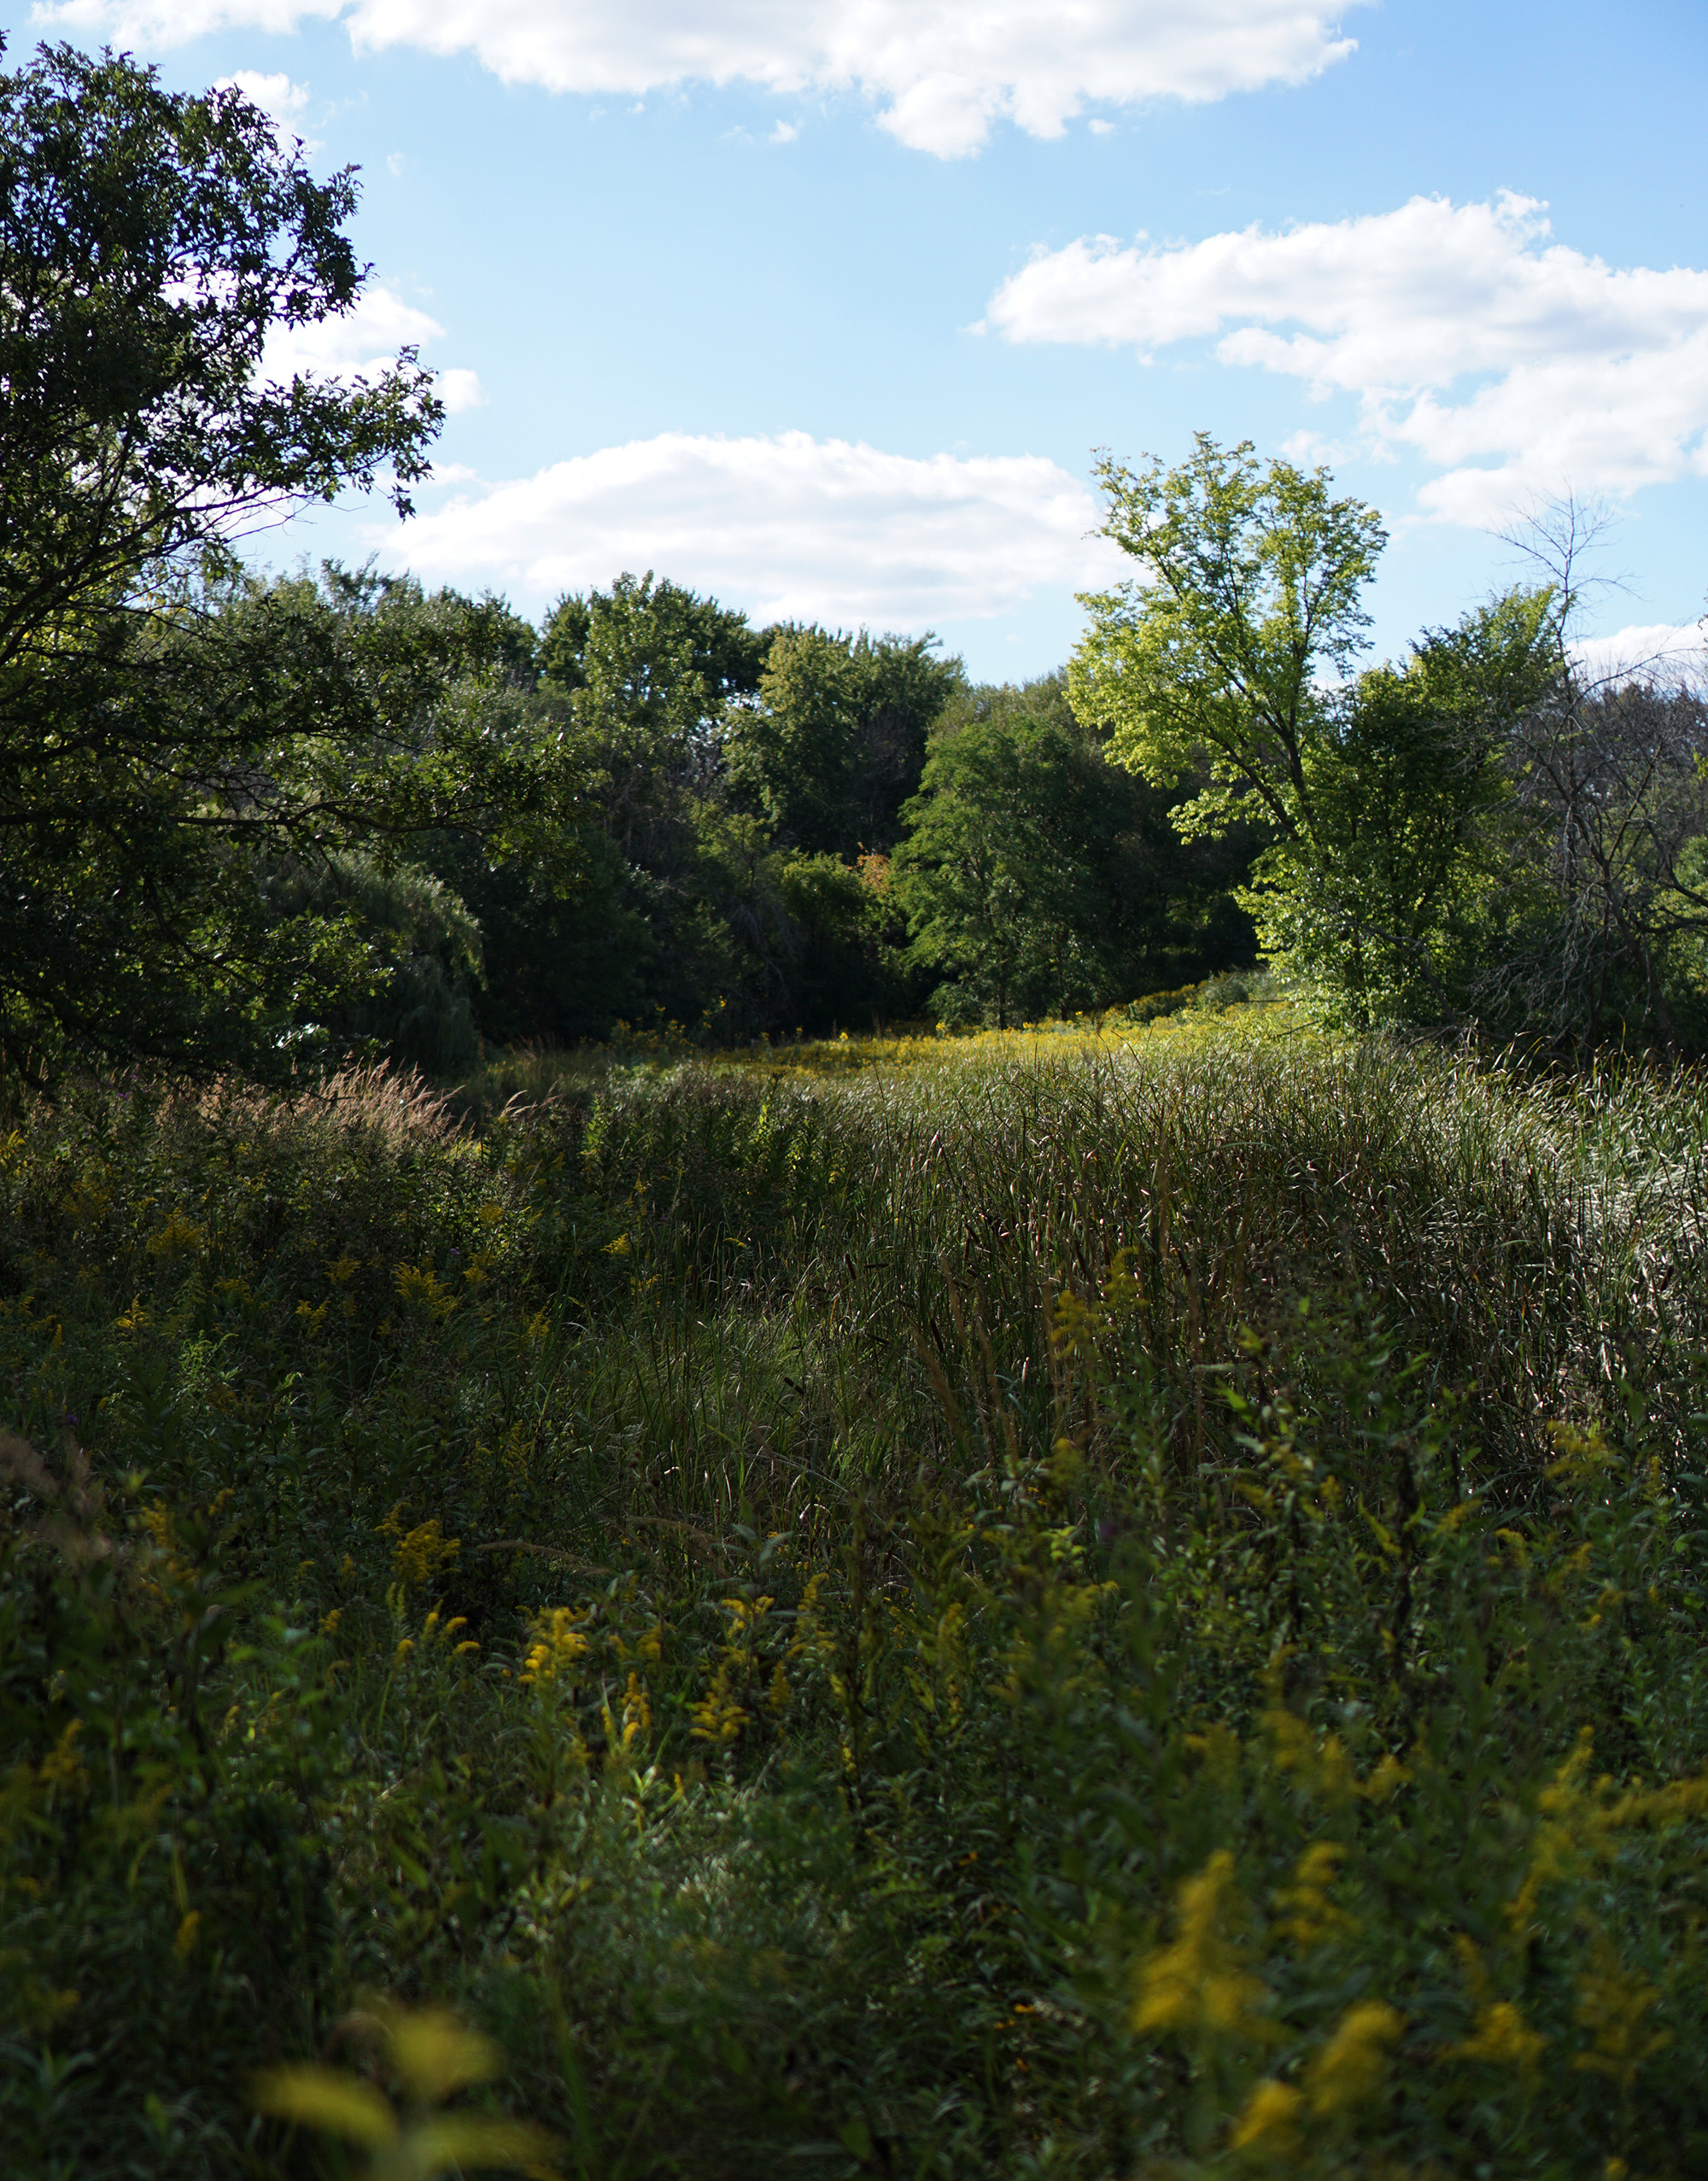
<point x="1134" y="1610"/>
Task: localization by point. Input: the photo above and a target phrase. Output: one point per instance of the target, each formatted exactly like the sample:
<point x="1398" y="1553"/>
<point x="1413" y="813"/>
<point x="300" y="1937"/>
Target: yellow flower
<point x="420" y="1285"/>
<point x="177" y="1235"/>
<point x="423" y="1553"/>
<point x="1614" y="2006"/>
<point x="433" y="2057"/>
<point x="1268" y="2124"/>
<point x="637" y="1711"/>
<point x="1352" y="2066"/>
<point x="1311" y="1918"/>
<point x="1501" y="2039"/>
<point x="1387" y="1780"/>
<point x="1200" y="1982"/>
<point x="558" y="1646"/>
<point x="718" y="1717"/>
<point x="62" y="1767"/>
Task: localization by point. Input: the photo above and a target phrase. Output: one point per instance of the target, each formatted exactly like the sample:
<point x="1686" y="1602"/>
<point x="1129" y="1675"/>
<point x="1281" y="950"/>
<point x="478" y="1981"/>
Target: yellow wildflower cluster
<point x="62" y="1767"/>
<point x="718" y="1716"/>
<point x="1501" y="2039"/>
<point x="176" y="1238"/>
<point x="1199" y="1984"/>
<point x="559" y="1644"/>
<point x="422" y="1553"/>
<point x="433" y="2057"/>
<point x="1320" y="1765"/>
<point x="420" y="1286"/>
<point x="1614" y="2006"/>
<point x="1308" y="1917"/>
<point x="162" y="1529"/>
<point x="637" y="1716"/>
<point x="1345" y="2073"/>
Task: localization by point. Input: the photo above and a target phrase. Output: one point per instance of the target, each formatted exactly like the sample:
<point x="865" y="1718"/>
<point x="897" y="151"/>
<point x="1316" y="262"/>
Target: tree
<point x="1383" y="792"/>
<point x="996" y="875"/>
<point x="1605" y="900"/>
<point x="150" y="244"/>
<point x="1254" y="598"/>
<point x="1388" y="900"/>
<point x="834" y="746"/>
<point x="649" y="672"/>
<point x="1042" y="878"/>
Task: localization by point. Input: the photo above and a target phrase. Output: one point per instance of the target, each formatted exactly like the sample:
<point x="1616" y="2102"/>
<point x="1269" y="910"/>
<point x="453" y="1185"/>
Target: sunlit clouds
<point x="1510" y="362"/>
<point x="788" y="526"/>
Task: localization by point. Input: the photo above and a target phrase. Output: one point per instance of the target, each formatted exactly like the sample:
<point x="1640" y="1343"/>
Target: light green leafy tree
<point x="1234" y="657"/>
<point x="1410" y="872"/>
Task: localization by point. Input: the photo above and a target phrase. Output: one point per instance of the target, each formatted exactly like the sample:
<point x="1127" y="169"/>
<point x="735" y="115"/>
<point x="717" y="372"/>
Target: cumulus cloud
<point x="282" y="101"/>
<point x="461" y="389"/>
<point x="1657" y="650"/>
<point x="1468" y="337"/>
<point x="365" y="340"/>
<point x="941" y="72"/>
<point x="788" y="526"/>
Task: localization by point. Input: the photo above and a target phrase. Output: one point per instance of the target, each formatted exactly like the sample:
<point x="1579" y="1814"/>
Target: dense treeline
<point x="771" y="831"/>
<point x="646" y="813"/>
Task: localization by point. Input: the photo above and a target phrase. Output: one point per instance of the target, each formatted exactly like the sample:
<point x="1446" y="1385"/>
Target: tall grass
<point x="1086" y="1604"/>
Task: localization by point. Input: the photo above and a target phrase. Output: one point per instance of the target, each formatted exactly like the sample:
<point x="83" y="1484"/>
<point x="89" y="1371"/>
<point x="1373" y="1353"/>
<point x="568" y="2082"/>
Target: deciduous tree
<point x="150" y="244"/>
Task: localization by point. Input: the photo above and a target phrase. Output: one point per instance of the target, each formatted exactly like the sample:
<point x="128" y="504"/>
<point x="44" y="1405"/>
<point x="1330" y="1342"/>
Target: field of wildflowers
<point x="1121" y="1600"/>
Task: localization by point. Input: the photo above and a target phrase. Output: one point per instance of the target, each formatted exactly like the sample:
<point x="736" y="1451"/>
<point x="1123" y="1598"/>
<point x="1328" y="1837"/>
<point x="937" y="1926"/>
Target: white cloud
<point x="395" y="162"/>
<point x="1512" y="363"/>
<point x="942" y="72"/>
<point x="460" y="390"/>
<point x="787" y="526"/>
<point x="1658" y="651"/>
<point x="785" y="132"/>
<point x="282" y="101"/>
<point x="367" y="340"/>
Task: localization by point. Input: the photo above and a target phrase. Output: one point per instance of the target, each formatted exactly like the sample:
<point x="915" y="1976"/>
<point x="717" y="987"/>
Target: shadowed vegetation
<point x="1126" y="1600"/>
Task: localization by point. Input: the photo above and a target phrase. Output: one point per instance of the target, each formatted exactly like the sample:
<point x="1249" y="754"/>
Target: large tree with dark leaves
<point x="150" y="244"/>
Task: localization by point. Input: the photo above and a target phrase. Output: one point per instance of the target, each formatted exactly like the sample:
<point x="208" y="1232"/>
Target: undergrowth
<point x="1085" y="1605"/>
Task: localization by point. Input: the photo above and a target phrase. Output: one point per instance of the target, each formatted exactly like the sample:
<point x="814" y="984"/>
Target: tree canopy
<point x="152" y="242"/>
<point x="1253" y="596"/>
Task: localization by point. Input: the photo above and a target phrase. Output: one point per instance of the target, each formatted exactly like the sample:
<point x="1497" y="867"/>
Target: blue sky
<point x="824" y="308"/>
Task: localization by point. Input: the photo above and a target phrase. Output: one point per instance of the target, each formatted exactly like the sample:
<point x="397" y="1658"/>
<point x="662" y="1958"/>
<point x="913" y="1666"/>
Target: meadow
<point x="1121" y="1599"/>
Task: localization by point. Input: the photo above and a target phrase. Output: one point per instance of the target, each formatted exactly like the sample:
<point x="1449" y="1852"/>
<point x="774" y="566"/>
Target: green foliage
<point x="1072" y="1618"/>
<point x="1255" y="595"/>
<point x="1385" y="894"/>
<point x="833" y="749"/>
<point x="426" y="952"/>
<point x="1042" y="878"/>
<point x="149" y="241"/>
